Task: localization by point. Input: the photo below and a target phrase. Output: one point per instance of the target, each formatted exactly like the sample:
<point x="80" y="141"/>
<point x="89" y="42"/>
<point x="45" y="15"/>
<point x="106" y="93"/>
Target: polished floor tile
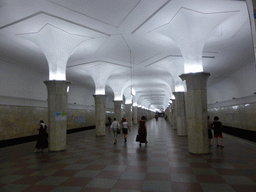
<point x="95" y="164"/>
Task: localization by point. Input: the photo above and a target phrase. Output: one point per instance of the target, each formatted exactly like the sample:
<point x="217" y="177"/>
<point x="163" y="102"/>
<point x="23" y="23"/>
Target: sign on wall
<point x="60" y="116"/>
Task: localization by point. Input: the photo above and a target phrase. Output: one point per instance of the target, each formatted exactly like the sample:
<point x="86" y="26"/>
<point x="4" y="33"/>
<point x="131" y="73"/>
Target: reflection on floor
<point x="96" y="164"/>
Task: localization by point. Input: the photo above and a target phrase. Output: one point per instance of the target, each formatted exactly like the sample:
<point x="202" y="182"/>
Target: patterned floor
<point x="96" y="164"/>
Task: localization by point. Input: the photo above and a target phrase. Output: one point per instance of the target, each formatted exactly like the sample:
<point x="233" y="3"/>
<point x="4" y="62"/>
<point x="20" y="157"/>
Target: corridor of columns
<point x="95" y="164"/>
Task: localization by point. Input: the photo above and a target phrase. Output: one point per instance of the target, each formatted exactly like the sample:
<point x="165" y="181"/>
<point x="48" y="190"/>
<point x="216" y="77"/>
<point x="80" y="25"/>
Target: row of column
<point x="58" y="107"/>
<point x="188" y="114"/>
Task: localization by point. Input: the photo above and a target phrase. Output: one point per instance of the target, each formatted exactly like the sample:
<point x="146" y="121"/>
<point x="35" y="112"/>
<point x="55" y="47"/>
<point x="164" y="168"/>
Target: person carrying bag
<point x="115" y="128"/>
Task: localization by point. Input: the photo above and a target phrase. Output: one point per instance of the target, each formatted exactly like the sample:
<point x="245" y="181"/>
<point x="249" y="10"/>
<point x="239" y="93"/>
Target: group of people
<point x="115" y="126"/>
<point x="42" y="141"/>
<point x="142" y="130"/>
<point x="217" y="130"/>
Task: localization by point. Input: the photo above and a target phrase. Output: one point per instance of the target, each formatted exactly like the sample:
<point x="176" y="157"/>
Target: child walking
<point x="125" y="128"/>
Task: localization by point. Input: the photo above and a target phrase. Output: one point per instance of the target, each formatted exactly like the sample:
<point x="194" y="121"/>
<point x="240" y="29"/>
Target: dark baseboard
<point x="242" y="133"/>
<point x="69" y="131"/>
<point x="16" y="141"/>
<point x="20" y="140"/>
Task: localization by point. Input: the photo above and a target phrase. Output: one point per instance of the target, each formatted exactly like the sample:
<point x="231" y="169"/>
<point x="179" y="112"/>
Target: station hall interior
<point x="75" y="63"/>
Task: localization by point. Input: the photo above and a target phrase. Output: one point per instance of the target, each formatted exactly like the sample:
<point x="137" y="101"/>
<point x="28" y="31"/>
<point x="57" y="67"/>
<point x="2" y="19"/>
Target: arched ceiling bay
<point x="123" y="35"/>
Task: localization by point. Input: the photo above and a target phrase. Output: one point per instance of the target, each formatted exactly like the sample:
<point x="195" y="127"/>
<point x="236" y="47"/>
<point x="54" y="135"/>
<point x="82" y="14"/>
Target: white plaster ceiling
<point x="128" y="35"/>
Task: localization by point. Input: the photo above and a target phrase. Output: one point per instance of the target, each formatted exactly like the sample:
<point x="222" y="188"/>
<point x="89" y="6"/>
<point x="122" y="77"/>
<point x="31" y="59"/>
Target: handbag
<point x="137" y="138"/>
<point x="118" y="131"/>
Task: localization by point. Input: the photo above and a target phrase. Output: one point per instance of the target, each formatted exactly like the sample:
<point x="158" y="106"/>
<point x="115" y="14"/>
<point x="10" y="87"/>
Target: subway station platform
<point x="95" y="164"/>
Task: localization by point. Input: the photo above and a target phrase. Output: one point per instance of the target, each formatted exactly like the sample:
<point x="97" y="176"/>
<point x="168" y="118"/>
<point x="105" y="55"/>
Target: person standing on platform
<point x="217" y="127"/>
<point x="109" y="122"/>
<point x="125" y="128"/>
<point x="156" y="117"/>
<point x="115" y="126"/>
<point x="142" y="131"/>
<point x="42" y="142"/>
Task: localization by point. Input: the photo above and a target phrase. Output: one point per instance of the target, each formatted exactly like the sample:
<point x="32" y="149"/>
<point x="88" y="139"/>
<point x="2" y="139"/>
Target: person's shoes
<point x="222" y="146"/>
<point x="140" y="144"/>
<point x="217" y="145"/>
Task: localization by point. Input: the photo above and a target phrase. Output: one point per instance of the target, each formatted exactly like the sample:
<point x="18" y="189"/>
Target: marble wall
<point x="237" y="113"/>
<point x="21" y="121"/>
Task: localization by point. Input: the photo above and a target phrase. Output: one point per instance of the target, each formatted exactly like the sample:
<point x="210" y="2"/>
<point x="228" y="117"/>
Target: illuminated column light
<point x="128" y="96"/>
<point x="128" y="100"/>
<point x="100" y="73"/>
<point x="117" y="84"/>
<point x="189" y="29"/>
<point x="179" y="87"/>
<point x="57" y="45"/>
<point x="118" y="96"/>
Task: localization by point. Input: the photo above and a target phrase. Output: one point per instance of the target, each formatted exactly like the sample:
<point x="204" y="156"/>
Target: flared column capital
<point x="57" y="86"/>
<point x="99" y="96"/>
<point x="178" y="94"/>
<point x="195" y="80"/>
<point x="118" y="102"/>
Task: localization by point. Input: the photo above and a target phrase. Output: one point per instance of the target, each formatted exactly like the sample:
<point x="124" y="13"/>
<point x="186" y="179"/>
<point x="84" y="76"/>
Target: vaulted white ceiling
<point x="124" y="43"/>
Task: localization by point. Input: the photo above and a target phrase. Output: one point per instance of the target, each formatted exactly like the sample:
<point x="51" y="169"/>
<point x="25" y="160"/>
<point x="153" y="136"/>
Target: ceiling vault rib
<point x="81" y="14"/>
<point x="20" y="20"/>
<point x="129" y="13"/>
<point x="81" y="64"/>
<point x="150" y="16"/>
<point x="207" y="57"/>
<point x="163" y="59"/>
<point x="51" y="15"/>
<point x="195" y="12"/>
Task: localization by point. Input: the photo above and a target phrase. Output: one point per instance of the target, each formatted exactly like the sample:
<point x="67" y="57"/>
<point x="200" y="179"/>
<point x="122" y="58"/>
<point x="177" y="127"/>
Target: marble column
<point x="135" y="115"/>
<point x="118" y="110"/>
<point x="181" y="113"/>
<point x="100" y="114"/>
<point x="170" y="114"/>
<point x="167" y="112"/>
<point x="196" y="111"/>
<point x="174" y="114"/>
<point x="129" y="114"/>
<point x="57" y="114"/>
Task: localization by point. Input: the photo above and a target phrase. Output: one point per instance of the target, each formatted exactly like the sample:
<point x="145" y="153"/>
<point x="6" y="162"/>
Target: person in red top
<point x="217" y="127"/>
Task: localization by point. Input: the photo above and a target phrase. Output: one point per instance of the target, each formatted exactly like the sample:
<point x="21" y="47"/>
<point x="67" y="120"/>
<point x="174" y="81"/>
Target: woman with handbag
<point x="142" y="131"/>
<point x="42" y="142"/>
<point x="115" y="127"/>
